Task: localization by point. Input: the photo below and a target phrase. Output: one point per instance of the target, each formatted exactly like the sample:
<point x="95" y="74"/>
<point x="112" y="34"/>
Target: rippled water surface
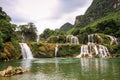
<point x="66" y="69"/>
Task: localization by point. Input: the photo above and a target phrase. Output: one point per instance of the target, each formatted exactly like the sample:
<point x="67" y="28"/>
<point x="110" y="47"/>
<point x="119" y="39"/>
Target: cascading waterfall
<point x="93" y="49"/>
<point x="56" y="50"/>
<point x="72" y="39"/>
<point x="103" y="51"/>
<point x="90" y="39"/>
<point x="26" y="52"/>
<point x="84" y="51"/>
<point x="113" y="40"/>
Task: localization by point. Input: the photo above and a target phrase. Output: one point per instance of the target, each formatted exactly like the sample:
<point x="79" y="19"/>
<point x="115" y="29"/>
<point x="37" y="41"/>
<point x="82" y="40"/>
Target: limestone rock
<point x="10" y="71"/>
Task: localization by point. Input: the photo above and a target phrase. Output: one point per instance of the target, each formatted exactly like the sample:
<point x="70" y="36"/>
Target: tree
<point x="6" y="28"/>
<point x="47" y="33"/>
<point x="29" y="31"/>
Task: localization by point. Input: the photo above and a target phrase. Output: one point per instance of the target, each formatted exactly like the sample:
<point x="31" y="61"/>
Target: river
<point x="66" y="69"/>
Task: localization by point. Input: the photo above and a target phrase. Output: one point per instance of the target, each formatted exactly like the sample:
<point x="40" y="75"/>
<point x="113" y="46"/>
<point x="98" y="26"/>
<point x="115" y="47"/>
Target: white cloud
<point x="44" y="13"/>
<point x="37" y="9"/>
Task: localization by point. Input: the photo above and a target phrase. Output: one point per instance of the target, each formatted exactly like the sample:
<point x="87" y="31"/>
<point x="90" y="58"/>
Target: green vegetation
<point x="10" y="38"/>
<point x="102" y="17"/>
<point x="66" y="27"/>
<point x="107" y="25"/>
<point x="97" y="10"/>
<point x="48" y="50"/>
<point x="68" y="50"/>
<point x="28" y="31"/>
<point x="49" y="33"/>
<point x="42" y="49"/>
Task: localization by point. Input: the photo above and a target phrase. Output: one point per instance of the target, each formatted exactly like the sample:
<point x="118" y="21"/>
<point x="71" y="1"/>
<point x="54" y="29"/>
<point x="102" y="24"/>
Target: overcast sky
<point x="44" y="13"/>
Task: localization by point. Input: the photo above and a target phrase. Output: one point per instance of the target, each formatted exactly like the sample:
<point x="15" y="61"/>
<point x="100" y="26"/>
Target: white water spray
<point x="72" y="39"/>
<point x="113" y="40"/>
<point x="56" y="50"/>
<point x="91" y="48"/>
<point x="26" y="52"/>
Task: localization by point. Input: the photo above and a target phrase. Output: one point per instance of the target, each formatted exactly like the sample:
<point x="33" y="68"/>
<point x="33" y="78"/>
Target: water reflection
<point x="99" y="69"/>
<point x="26" y="64"/>
<point x="69" y="69"/>
<point x="56" y="65"/>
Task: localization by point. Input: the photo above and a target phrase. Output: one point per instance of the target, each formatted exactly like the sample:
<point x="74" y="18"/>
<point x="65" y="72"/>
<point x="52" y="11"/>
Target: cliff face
<point x="98" y="9"/>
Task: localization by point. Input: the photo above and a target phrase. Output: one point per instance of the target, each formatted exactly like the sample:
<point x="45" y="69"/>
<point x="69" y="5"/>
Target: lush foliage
<point x="9" y="37"/>
<point x="47" y="33"/>
<point x="43" y="49"/>
<point x="108" y="25"/>
<point x="28" y="32"/>
<point x="7" y="30"/>
<point x="68" y="50"/>
<point x="48" y="50"/>
<point x="66" y="27"/>
<point x="98" y="9"/>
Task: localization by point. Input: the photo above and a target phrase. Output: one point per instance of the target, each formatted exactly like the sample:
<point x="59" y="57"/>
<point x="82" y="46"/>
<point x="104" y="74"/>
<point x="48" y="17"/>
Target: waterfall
<point x="96" y="50"/>
<point x="113" y="40"/>
<point x="26" y="52"/>
<point x="103" y="51"/>
<point x="23" y="37"/>
<point x="90" y="39"/>
<point x="56" y="50"/>
<point x="72" y="39"/>
<point x="85" y="51"/>
<point x="37" y="38"/>
<point x="91" y="48"/>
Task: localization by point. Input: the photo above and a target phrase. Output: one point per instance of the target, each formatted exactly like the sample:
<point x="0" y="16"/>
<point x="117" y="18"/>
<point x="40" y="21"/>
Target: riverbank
<point x="12" y="51"/>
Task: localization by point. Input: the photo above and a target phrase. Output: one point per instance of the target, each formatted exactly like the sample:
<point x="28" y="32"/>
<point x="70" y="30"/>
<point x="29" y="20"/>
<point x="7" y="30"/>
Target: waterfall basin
<point x="66" y="69"/>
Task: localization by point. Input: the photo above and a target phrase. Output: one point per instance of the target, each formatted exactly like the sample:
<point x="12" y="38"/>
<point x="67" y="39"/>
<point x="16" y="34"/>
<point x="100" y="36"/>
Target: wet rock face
<point x="10" y="71"/>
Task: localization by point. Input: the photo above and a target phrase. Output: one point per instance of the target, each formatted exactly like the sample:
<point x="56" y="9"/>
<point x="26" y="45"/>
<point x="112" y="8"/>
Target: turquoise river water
<point x="66" y="69"/>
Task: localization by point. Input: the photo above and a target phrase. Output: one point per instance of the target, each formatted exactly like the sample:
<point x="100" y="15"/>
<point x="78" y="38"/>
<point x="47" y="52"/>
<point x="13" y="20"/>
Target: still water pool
<point x="66" y="69"/>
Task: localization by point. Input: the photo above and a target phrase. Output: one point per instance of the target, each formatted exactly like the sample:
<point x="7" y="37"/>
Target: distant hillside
<point x="108" y="25"/>
<point x="66" y="27"/>
<point x="98" y="9"/>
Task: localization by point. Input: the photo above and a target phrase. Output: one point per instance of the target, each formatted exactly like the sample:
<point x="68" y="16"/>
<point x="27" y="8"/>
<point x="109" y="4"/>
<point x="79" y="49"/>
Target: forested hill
<point x="98" y="9"/>
<point x="66" y="27"/>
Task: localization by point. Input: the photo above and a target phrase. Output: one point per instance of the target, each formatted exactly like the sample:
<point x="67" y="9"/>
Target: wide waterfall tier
<point x="26" y="52"/>
<point x="93" y="50"/>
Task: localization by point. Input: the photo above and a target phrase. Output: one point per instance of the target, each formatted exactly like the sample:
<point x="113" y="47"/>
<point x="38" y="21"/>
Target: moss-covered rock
<point x="48" y="50"/>
<point x="10" y="52"/>
<point x="42" y="49"/>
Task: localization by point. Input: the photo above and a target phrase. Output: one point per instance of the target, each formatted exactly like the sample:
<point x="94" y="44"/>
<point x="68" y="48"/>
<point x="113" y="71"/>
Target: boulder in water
<point x="10" y="71"/>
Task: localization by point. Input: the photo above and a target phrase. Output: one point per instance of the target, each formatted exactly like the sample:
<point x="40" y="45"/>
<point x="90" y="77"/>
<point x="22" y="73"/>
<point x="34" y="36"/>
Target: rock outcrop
<point x="10" y="71"/>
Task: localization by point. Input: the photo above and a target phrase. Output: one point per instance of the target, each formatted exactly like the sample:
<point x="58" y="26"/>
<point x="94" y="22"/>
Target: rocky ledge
<point x="10" y="71"/>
